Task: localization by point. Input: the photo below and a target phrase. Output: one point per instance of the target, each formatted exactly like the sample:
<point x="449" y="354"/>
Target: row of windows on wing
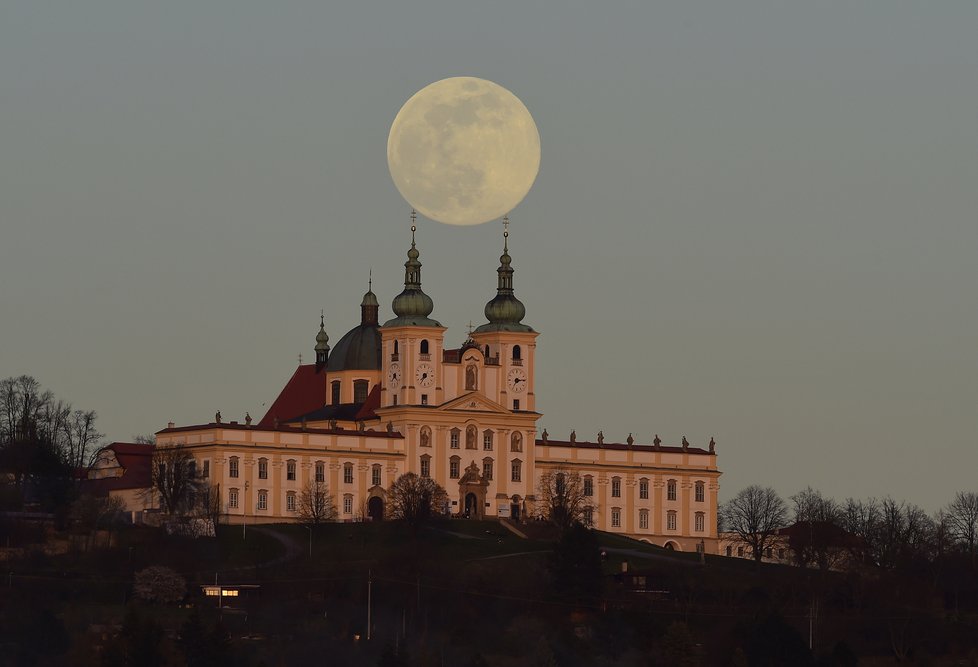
<point x="699" y="519"/>
<point x="376" y="471"/>
<point x="360" y="390"/>
<point x="424" y="350"/>
<point x="699" y="489"/>
<point x="768" y="552"/>
<point x="471" y="439"/>
<point x="488" y="468"/>
<point x="291" y="501"/>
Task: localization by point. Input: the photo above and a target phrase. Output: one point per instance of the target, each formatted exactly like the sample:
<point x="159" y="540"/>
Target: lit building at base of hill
<point x="393" y="398"/>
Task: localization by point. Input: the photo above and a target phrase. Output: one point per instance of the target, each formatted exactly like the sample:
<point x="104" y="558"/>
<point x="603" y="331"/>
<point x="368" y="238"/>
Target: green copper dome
<point x="322" y="342"/>
<point x="412" y="306"/>
<point x="505" y="311"/>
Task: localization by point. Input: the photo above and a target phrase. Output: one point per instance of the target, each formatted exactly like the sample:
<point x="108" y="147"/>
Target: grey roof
<point x="358" y="349"/>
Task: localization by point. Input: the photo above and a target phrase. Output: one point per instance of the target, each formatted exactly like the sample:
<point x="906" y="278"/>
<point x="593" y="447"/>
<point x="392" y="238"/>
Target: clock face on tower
<point x="516" y="380"/>
<point x="394" y="376"/>
<point x="425" y="375"/>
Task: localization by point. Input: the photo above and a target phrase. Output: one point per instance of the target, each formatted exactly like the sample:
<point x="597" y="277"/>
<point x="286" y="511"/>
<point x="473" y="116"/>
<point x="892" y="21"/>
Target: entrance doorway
<point x="375" y="508"/>
<point x="471" y="506"/>
<point x="514" y="509"/>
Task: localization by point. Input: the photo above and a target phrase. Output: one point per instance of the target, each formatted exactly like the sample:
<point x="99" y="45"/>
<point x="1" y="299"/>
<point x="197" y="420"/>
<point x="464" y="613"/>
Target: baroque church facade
<point x="393" y="398"/>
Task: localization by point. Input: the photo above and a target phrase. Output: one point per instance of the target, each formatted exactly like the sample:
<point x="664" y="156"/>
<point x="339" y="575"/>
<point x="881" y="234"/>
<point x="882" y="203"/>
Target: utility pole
<point x="370" y="582"/>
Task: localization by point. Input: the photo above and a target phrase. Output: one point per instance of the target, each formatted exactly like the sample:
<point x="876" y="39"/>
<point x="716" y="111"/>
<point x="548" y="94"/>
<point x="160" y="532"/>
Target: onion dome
<point x="322" y="342"/>
<point x="412" y="306"/>
<point x="505" y="311"/>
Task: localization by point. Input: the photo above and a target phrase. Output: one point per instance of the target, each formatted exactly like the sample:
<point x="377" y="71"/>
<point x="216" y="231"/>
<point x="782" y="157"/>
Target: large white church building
<point x="393" y="398"/>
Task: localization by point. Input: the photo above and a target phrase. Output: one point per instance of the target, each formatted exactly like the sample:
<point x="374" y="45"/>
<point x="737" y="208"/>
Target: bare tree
<point x="415" y="499"/>
<point x="174" y="479"/>
<point x="561" y="499"/>
<point x="314" y="504"/>
<point x="811" y="505"/>
<point x="91" y="513"/>
<point x="755" y="514"/>
<point x="962" y="520"/>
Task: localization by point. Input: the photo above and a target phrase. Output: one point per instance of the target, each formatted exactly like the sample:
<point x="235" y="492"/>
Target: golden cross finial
<point x="414" y="225"/>
<point x="300" y="358"/>
<point x="505" y="225"/>
<point x="370" y="280"/>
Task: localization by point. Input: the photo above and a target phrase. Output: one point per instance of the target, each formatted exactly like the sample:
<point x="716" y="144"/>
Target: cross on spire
<point x="300" y="358"/>
<point x="471" y="328"/>
<point x="370" y="280"/>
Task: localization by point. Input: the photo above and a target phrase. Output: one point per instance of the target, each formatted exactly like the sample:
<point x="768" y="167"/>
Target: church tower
<point x="412" y="342"/>
<point x="506" y="340"/>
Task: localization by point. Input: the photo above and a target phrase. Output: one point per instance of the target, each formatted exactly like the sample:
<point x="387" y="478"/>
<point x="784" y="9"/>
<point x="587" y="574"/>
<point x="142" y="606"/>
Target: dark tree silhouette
<point x="755" y="514"/>
<point x="415" y="499"/>
<point x="561" y="499"/>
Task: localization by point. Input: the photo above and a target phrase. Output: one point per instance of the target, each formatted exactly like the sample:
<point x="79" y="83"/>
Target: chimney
<point x="170" y="424"/>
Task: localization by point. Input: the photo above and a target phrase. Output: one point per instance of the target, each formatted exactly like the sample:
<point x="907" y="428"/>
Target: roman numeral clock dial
<point x="425" y="375"/>
<point x="516" y="380"/>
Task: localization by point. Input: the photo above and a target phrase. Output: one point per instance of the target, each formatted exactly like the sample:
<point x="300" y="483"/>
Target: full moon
<point x="463" y="151"/>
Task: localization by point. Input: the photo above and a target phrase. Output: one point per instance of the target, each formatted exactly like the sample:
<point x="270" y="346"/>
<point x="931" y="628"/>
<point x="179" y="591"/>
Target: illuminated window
<point x="671" y="521"/>
<point x="233" y="499"/>
<point x="616" y="487"/>
<point x="348" y="473"/>
<point x="700" y="492"/>
<point x="262" y="468"/>
<point x="671" y="489"/>
<point x="643" y="489"/>
<point x="290" y="470"/>
<point x="233" y="466"/>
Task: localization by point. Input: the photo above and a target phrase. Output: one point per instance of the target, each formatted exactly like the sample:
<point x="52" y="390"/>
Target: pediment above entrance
<point x="473" y="402"/>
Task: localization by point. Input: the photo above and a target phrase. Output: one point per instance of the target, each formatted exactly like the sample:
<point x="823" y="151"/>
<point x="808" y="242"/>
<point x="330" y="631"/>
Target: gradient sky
<point x="754" y="220"/>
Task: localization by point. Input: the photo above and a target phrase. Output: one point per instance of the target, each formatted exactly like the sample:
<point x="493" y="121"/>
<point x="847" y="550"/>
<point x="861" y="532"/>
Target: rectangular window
<point x="615" y="487"/>
<point x="643" y="489"/>
<point x="700" y="522"/>
<point x="453" y="440"/>
<point x="320" y="471"/>
<point x="424" y="399"/>
<point x="516" y="404"/>
<point x="360" y="390"/>
<point x="768" y="552"/>
<point x="588" y="486"/>
<point x="453" y="469"/>
<point x="517" y="471"/>
<point x="425" y="467"/>
<point x="615" y="517"/>
<point x="335" y="392"/>
<point x="262" y="469"/>
<point x="671" y="490"/>
<point x="671" y="521"/>
<point x="233" y="467"/>
<point x="487" y="441"/>
<point x="375" y="476"/>
<point x="263" y="500"/>
<point x="290" y="502"/>
<point x="588" y="516"/>
<point x="348" y="474"/>
<point x="347" y="504"/>
<point x="233" y="499"/>
<point x="643" y="519"/>
<point x="781" y="554"/>
<point x="290" y="471"/>
<point x="487" y="470"/>
<point x="207" y="470"/>
<point x="740" y="552"/>
<point x="700" y="492"/>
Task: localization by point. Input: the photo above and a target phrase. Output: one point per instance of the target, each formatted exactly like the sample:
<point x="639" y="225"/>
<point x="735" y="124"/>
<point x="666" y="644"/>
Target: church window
<point x="360" y="390"/>
<point x="453" y="467"/>
<point x="616" y="517"/>
<point x="643" y="519"/>
<point x="699" y="522"/>
<point x="233" y="466"/>
<point x="290" y="470"/>
<point x="395" y="349"/>
<point x="588" y="486"/>
<point x="516" y="404"/>
<point x="375" y="474"/>
<point x="487" y="469"/>
<point x="616" y="487"/>
<point x="424" y="347"/>
<point x="516" y="442"/>
<point x="263" y="499"/>
<point x="453" y="438"/>
<point x="517" y="470"/>
<point x="671" y="489"/>
<point x="517" y="353"/>
<point x="290" y="501"/>
<point x="262" y="468"/>
<point x="487" y="441"/>
<point x="643" y="489"/>
<point x="348" y="473"/>
<point x="233" y="499"/>
<point x="670" y="520"/>
<point x="348" y="504"/>
<point x="335" y="389"/>
<point x="471" y="433"/>
<point x="320" y="471"/>
<point x="588" y="516"/>
<point x="700" y="491"/>
<point x="426" y="466"/>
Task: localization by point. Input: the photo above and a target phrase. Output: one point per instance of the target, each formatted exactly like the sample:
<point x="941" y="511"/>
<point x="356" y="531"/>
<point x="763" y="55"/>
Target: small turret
<point x="322" y="343"/>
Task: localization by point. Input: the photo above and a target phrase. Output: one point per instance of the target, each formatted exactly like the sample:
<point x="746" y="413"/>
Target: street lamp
<point x="244" y="512"/>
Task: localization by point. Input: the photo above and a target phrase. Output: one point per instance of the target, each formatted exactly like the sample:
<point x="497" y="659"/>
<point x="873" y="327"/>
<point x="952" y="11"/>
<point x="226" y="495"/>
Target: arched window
<point x="335" y="392"/>
<point x="425" y="439"/>
<point x="360" y="390"/>
<point x="588" y="486"/>
<point x="487" y="441"/>
<point x="671" y="489"/>
<point x="233" y="466"/>
<point x="643" y="488"/>
<point x="348" y="473"/>
<point x="616" y="487"/>
<point x="487" y="469"/>
<point x="424" y="346"/>
<point x="395" y="347"/>
<point x="643" y="519"/>
<point x="375" y="474"/>
<point x="699" y="524"/>
<point x="454" y="464"/>
<point x="517" y="353"/>
<point x="700" y="490"/>
<point x="290" y="470"/>
<point x="262" y="468"/>
<point x="487" y="351"/>
<point x="425" y="465"/>
<point x="516" y="442"/>
<point x="471" y="433"/>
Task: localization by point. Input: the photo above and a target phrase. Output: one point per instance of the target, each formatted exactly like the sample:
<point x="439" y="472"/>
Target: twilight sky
<point x="753" y="220"/>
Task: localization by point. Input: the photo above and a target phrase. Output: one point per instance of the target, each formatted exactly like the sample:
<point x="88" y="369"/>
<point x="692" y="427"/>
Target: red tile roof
<point x="373" y="401"/>
<point x="136" y="461"/>
<point x="669" y="449"/>
<point x="304" y="392"/>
